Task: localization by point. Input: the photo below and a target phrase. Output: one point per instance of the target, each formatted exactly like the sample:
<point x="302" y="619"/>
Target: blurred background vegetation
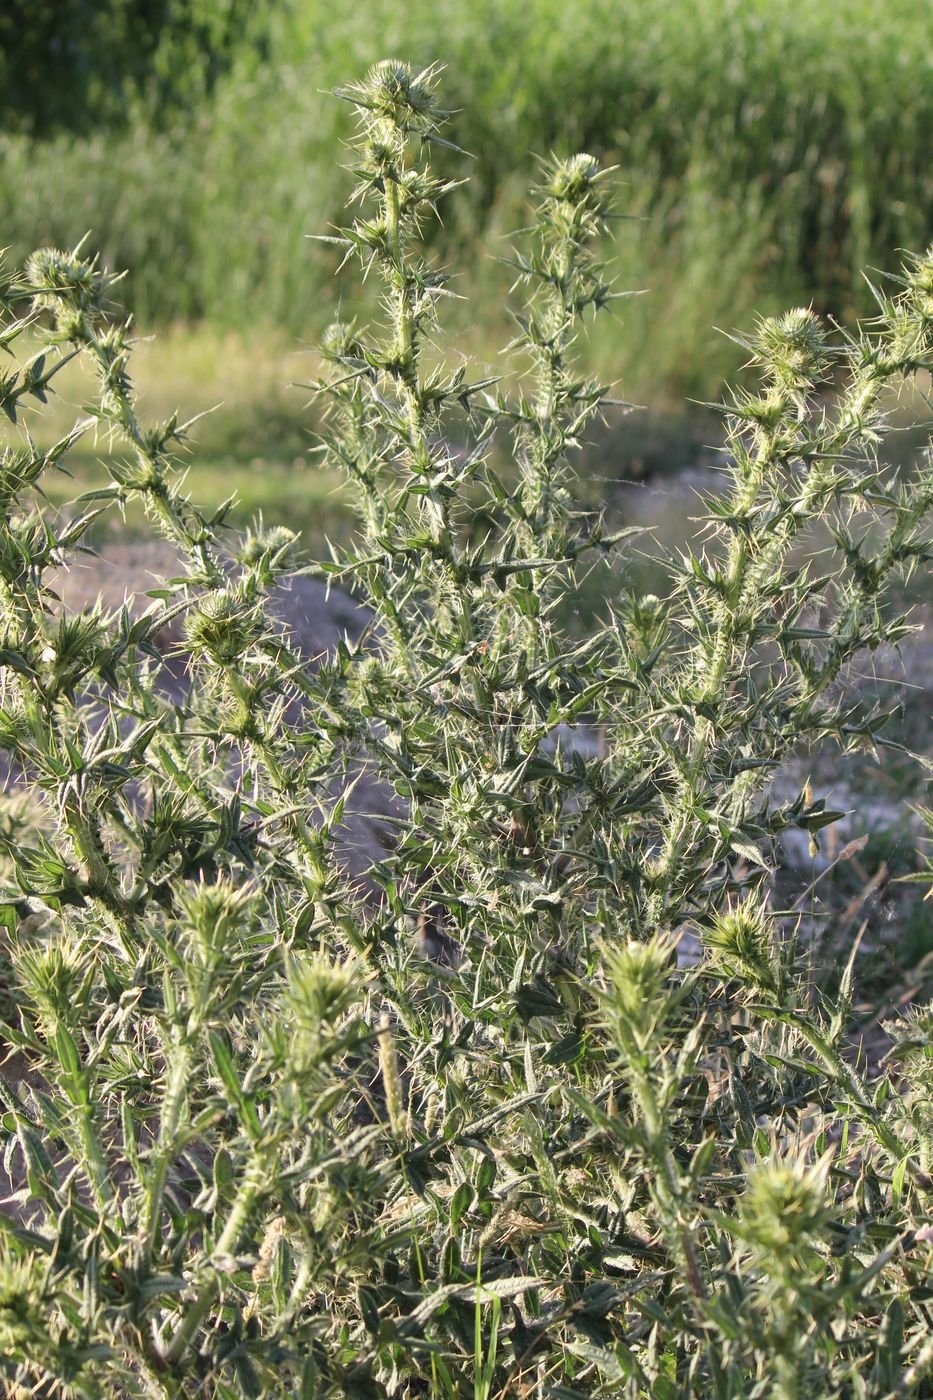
<point x="768" y="150"/>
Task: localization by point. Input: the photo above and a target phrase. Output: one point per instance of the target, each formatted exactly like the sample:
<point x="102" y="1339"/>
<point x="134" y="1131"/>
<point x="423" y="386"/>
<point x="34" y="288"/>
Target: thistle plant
<point x="469" y="1124"/>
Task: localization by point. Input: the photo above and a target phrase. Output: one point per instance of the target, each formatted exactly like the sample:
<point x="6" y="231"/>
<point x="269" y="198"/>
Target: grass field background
<point x="766" y="153"/>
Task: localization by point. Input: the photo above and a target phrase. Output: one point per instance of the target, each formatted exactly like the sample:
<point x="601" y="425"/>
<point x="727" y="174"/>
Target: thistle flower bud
<point x="793" y="349"/>
<point x="215" y="914"/>
<point x="636" y="999"/>
<point x="371" y="681"/>
<point x="340" y="341"/>
<point x="69" y="286"/>
<point x="279" y="538"/>
<point x="268" y="551"/>
<point x="317" y="1016"/>
<point x="75" y="645"/>
<point x="223" y="628"/>
<point x="912" y="1039"/>
<point x="52" y="978"/>
<point x="321" y="991"/>
<point x="740" y="944"/>
<point x="784" y="1205"/>
<point x="576" y="181"/>
<point x="23" y="1327"/>
<point x="392" y="92"/>
<point x="644" y="618"/>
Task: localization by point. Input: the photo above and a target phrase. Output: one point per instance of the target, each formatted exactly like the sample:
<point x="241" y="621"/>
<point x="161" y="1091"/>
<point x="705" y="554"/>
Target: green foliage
<point x="467" y="1124"/>
<point x="76" y="63"/>
<point x="775" y="149"/>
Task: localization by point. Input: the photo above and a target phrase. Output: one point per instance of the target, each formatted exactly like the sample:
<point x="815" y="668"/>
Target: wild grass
<point x="775" y="150"/>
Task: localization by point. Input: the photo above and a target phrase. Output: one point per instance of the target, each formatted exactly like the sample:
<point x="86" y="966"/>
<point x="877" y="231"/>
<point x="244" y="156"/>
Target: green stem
<point x="172" y="1104"/>
<point x="256" y="1177"/>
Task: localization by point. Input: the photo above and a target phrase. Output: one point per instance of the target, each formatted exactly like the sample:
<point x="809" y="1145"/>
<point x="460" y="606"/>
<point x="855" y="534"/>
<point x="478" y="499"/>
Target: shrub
<point x="469" y="1125"/>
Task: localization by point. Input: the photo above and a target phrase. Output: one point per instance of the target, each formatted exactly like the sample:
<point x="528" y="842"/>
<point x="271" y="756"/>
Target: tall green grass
<point x="768" y="152"/>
